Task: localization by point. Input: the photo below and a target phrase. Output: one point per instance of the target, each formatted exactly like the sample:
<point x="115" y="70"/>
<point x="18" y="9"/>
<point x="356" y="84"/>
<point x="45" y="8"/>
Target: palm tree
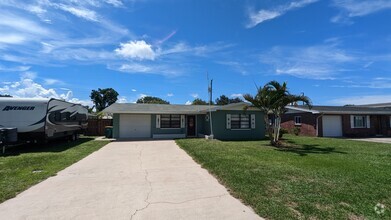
<point x="262" y="100"/>
<point x="272" y="99"/>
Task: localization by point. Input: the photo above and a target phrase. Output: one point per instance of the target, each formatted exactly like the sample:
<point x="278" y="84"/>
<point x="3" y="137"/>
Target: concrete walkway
<point x="385" y="140"/>
<point x="129" y="180"/>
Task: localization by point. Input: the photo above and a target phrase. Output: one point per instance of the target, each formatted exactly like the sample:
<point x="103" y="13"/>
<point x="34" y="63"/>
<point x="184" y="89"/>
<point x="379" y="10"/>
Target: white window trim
<point x="366" y="119"/>
<point x="295" y="120"/>
<point x="252" y="121"/>
<point x="157" y="121"/>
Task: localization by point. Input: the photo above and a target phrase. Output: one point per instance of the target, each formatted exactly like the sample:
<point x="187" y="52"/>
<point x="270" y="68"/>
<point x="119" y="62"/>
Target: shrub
<point x="296" y="131"/>
<point x="282" y="132"/>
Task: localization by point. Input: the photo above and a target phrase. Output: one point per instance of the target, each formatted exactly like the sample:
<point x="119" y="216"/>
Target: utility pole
<point x="210" y="89"/>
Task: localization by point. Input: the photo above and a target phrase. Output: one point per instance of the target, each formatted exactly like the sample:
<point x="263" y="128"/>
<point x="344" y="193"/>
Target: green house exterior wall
<point x="203" y="127"/>
<point x="222" y="133"/>
<point x="200" y="124"/>
<point x="116" y="125"/>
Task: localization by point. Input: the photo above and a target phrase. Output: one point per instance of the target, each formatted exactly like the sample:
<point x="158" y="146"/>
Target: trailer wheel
<point x="74" y="137"/>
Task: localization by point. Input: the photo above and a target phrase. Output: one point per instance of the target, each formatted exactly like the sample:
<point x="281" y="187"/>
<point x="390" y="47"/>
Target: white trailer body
<point x="40" y="119"/>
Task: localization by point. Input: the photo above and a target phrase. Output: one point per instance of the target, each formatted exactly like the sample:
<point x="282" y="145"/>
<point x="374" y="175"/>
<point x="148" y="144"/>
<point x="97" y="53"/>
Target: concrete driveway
<point x="386" y="140"/>
<point x="129" y="180"/>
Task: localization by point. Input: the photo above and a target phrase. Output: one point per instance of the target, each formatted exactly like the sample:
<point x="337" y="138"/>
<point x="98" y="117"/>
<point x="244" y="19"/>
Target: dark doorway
<point x="379" y="125"/>
<point x="191" y="126"/>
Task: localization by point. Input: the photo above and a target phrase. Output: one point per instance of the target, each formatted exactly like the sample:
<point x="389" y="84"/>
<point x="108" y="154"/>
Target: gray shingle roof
<point x="155" y="108"/>
<point x="167" y="109"/>
<point x="343" y="110"/>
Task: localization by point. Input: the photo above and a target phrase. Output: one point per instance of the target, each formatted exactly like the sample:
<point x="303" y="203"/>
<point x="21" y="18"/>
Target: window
<point x="359" y="121"/>
<point x="170" y="121"/>
<point x="297" y="120"/>
<point x="240" y="121"/>
<point x="57" y="116"/>
<point x="65" y="116"/>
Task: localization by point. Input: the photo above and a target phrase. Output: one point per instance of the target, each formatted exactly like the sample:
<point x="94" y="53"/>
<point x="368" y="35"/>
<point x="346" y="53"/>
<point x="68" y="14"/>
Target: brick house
<point x="338" y="121"/>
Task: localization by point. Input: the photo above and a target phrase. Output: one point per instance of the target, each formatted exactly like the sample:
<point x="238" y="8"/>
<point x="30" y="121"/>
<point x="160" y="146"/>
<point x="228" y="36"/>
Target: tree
<point x="272" y="99"/>
<point x="152" y="100"/>
<point x="5" y="95"/>
<point x="199" y="101"/>
<point x="102" y="98"/>
<point x="89" y="109"/>
<point x="224" y="100"/>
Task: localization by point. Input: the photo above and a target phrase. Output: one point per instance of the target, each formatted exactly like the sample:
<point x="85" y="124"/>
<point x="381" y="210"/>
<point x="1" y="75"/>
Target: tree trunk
<point x="278" y="125"/>
<point x="268" y="128"/>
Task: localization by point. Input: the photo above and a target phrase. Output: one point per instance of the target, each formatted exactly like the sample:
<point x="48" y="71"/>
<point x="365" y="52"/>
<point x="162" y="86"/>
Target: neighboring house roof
<point x="378" y="105"/>
<point x="168" y="109"/>
<point x="340" y="110"/>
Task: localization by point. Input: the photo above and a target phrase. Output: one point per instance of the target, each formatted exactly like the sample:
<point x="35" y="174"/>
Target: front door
<point x="191" y="125"/>
<point x="379" y="126"/>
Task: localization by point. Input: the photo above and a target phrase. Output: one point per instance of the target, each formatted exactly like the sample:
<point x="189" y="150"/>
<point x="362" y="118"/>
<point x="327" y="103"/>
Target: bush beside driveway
<point x="310" y="178"/>
<point x="27" y="165"/>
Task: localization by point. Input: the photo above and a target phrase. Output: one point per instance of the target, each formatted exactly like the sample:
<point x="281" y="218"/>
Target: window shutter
<point x="368" y="121"/>
<point x="157" y="121"/>
<point x="352" y="121"/>
<point x="228" y="121"/>
<point x="182" y="121"/>
<point x="252" y="121"/>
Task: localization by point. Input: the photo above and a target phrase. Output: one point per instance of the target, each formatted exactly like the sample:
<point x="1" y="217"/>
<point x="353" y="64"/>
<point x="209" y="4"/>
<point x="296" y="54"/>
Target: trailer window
<point x="57" y="116"/>
<point x="65" y="116"/>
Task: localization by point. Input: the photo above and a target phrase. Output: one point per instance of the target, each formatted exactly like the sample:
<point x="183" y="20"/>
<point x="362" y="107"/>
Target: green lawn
<point x="24" y="166"/>
<point x="313" y="178"/>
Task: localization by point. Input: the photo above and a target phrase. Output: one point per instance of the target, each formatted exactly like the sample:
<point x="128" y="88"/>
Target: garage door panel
<point x="135" y="126"/>
<point x="332" y="126"/>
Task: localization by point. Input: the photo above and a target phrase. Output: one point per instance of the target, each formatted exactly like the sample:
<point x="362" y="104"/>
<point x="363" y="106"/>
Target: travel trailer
<point x="40" y="119"/>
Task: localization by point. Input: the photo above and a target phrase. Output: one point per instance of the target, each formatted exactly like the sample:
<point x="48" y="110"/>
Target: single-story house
<point x="338" y="121"/>
<point x="238" y="121"/>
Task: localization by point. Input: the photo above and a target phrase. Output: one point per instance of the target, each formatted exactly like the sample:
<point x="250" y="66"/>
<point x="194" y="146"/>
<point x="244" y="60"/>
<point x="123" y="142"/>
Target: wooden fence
<point x="96" y="127"/>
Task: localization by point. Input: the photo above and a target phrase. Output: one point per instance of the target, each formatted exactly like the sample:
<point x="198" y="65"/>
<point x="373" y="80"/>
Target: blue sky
<point x="336" y="52"/>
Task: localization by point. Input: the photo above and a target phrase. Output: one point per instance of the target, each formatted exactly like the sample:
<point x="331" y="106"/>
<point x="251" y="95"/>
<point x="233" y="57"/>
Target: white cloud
<point x="135" y="67"/>
<point x="26" y="87"/>
<point x="361" y="100"/>
<point x="150" y="68"/>
<point x="134" y="90"/>
<point x="122" y="99"/>
<point x="237" y="95"/>
<point x="375" y="83"/>
<point x="57" y="39"/>
<point x="194" y="95"/>
<point x="20" y="27"/>
<point x="354" y="8"/>
<point x="264" y="15"/>
<point x="239" y="67"/>
<point x="12" y="39"/>
<point x="188" y="103"/>
<point x="116" y="3"/>
<point x="315" y="62"/>
<point x="48" y="81"/>
<point x="140" y="96"/>
<point x="139" y="50"/>
<point x="14" y="69"/>
<point x="170" y="94"/>
<point x="80" y="12"/>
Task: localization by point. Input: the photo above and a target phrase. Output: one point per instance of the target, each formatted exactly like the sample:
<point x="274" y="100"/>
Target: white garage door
<point x="332" y="126"/>
<point x="134" y="126"/>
